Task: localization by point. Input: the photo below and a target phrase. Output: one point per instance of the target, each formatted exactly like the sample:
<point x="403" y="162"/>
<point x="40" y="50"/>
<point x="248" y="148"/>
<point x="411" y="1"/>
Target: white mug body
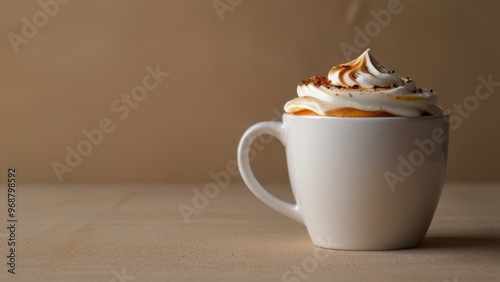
<point x="359" y="183"/>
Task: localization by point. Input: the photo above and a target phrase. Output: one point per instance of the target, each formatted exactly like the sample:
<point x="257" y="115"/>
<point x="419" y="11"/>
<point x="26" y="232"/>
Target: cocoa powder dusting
<point x="317" y="80"/>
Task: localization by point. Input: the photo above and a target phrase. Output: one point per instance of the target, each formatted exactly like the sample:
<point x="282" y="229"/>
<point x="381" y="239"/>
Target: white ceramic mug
<point x="359" y="183"/>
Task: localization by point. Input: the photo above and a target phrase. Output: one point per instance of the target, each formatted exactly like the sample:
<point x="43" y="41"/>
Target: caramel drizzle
<point x="351" y="69"/>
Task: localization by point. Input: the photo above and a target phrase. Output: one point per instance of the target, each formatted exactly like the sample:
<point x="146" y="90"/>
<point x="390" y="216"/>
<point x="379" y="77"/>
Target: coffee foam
<point x="363" y="85"/>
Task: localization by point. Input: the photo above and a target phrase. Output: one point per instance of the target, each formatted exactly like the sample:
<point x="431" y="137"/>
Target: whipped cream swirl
<point x="363" y="84"/>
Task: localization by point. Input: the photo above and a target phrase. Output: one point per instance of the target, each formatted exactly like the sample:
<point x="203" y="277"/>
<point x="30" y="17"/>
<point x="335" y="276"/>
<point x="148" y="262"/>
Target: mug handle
<point x="275" y="129"/>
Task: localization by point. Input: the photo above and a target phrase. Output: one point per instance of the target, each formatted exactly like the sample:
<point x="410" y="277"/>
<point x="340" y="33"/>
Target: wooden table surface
<point x="135" y="232"/>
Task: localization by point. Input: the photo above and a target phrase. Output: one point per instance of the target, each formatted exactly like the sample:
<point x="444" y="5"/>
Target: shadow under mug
<point x="358" y="183"/>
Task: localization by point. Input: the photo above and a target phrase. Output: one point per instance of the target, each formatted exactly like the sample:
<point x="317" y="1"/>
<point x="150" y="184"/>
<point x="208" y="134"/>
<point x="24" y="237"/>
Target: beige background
<point x="224" y="76"/>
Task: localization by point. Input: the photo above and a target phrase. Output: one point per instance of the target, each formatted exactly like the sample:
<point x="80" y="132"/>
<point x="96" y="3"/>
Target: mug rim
<point x="443" y="116"/>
